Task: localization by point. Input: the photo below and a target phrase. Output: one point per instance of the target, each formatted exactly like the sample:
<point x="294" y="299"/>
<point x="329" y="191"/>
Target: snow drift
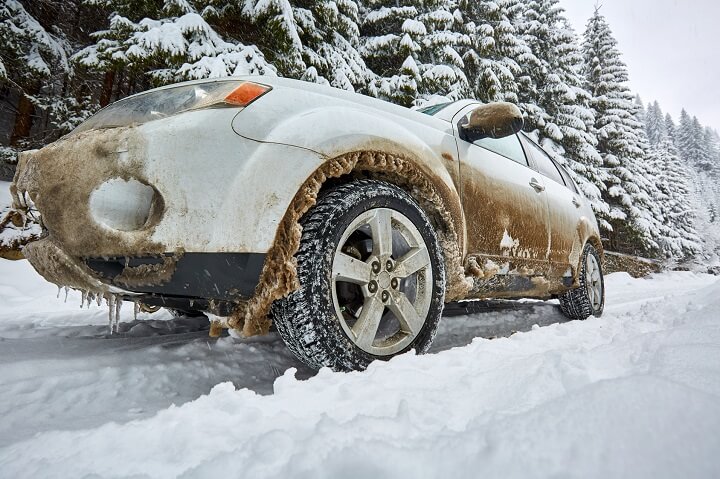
<point x="633" y="394"/>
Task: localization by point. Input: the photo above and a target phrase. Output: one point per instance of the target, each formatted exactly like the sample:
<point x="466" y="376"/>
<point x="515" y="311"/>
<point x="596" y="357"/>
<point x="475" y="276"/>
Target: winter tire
<point x="372" y="279"/>
<point x="588" y="299"/>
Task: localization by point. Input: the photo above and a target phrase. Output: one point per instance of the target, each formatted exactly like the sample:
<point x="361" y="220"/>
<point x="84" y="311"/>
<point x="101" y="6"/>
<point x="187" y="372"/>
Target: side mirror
<point x="492" y="120"/>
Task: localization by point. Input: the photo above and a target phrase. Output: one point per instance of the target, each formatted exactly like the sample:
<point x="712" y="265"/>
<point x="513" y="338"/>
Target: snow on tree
<point x="270" y="25"/>
<point x="313" y="40"/>
<point x="622" y="143"/>
<point x="655" y="126"/>
<point x="494" y="47"/>
<point x="692" y="143"/>
<point x="671" y="129"/>
<point x="679" y="239"/>
<point x="672" y="178"/>
<point x="330" y="37"/>
<point x="412" y="49"/>
<point x="711" y="143"/>
<point x="553" y="99"/>
<point x="172" y="48"/>
<point x="34" y="63"/>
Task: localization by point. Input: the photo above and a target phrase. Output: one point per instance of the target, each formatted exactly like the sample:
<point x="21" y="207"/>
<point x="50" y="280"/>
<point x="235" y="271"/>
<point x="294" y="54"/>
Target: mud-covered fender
<point x="336" y="131"/>
<point x="223" y="193"/>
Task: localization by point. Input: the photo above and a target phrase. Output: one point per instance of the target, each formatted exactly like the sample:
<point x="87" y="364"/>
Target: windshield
<point x="433" y="109"/>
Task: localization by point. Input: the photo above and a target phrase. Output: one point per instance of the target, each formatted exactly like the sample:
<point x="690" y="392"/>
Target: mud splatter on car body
<point x="238" y="181"/>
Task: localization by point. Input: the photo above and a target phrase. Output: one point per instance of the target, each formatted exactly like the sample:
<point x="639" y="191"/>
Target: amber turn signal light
<point x="246" y="93"/>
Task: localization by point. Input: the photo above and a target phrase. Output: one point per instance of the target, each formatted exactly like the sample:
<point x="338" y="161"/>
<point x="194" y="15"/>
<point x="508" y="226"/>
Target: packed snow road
<point x="633" y="394"/>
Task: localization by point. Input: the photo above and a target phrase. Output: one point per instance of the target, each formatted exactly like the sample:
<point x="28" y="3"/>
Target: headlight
<point x="157" y="104"/>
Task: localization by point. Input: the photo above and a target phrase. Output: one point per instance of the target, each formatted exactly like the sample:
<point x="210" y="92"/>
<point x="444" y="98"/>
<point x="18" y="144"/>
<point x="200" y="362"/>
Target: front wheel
<point x="589" y="298"/>
<point x="372" y="279"/>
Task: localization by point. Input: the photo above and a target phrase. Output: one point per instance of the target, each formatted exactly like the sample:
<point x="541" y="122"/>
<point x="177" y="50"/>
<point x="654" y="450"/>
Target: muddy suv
<point x="346" y="220"/>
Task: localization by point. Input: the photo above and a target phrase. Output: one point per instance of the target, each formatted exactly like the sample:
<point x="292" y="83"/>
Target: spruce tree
<point x="711" y="146"/>
<point x="329" y="32"/>
<point x="692" y="143"/>
<point x="671" y="130"/>
<point x="33" y="62"/>
<point x="622" y="143"/>
<point x="678" y="238"/>
<point x="655" y="124"/>
<point x="170" y="48"/>
<point x="553" y="99"/>
<point x="411" y="46"/>
<point x="494" y="47"/>
<point x="681" y="239"/>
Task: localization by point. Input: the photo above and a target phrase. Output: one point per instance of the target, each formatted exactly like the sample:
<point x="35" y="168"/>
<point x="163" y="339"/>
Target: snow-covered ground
<point x="633" y="394"/>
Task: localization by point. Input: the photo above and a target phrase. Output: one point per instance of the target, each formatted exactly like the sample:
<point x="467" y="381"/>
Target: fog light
<point x="124" y="205"/>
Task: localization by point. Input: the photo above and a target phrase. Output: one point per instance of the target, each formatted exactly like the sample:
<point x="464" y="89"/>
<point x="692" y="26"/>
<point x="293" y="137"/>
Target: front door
<point x="506" y="215"/>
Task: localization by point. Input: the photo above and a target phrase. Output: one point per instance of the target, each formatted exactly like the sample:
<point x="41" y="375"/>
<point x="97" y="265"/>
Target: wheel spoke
<point x="381" y="226"/>
<point x="412" y="262"/>
<point x="353" y="270"/>
<point x="366" y="326"/>
<point x="598" y="294"/>
<point x="405" y="312"/>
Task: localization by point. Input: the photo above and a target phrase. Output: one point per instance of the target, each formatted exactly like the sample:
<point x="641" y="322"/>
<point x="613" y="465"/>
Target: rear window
<point x="544" y="163"/>
<point x="566" y="176"/>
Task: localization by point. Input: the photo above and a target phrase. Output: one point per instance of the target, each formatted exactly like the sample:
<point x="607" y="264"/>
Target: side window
<point x="509" y="147"/>
<point x="544" y="163"/>
<point x="566" y="176"/>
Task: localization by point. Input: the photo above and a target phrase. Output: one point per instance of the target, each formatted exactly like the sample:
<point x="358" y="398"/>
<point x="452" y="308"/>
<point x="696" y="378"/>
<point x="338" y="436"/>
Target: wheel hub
<point x="593" y="282"/>
<point x="392" y="282"/>
<point x="384" y="279"/>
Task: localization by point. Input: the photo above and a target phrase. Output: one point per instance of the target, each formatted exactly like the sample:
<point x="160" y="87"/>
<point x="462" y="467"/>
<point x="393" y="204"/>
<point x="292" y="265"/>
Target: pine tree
<point x="553" y="98"/>
<point x="330" y="36"/>
<point x="171" y="48"/>
<point x="494" y="47"/>
<point x="655" y="124"/>
<point x="622" y="143"/>
<point x="640" y="112"/>
<point x="711" y="143"/>
<point x="679" y="238"/>
<point x="270" y="25"/>
<point x="411" y="47"/>
<point x="692" y="144"/>
<point x="34" y="63"/>
<point x="671" y="129"/>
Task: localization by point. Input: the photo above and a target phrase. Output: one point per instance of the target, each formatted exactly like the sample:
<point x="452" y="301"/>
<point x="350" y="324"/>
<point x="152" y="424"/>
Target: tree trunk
<point x="107" y="87"/>
<point x="23" y="120"/>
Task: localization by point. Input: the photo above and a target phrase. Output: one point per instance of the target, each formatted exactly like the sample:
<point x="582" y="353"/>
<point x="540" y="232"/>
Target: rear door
<point x="505" y="209"/>
<point x="563" y="204"/>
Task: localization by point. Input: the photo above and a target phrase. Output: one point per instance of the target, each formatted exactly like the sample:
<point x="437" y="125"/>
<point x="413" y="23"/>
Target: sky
<point x="671" y="48"/>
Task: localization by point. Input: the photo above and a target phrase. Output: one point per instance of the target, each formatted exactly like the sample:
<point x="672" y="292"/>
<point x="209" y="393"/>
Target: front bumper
<point x="214" y="201"/>
<point x="220" y="276"/>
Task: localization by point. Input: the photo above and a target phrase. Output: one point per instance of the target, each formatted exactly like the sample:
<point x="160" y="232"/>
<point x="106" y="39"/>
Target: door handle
<point x="536" y="185"/>
<point x="576" y="202"/>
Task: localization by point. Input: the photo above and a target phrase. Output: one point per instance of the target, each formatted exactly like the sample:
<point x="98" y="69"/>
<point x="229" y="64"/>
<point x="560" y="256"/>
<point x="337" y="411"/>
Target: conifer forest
<point x="652" y="179"/>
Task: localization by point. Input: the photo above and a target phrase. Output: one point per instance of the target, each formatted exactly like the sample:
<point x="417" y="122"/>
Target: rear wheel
<point x="589" y="298"/>
<point x="371" y="276"/>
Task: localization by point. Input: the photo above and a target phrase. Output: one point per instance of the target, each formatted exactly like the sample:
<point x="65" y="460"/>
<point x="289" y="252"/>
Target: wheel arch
<point x="435" y="194"/>
<point x="587" y="233"/>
